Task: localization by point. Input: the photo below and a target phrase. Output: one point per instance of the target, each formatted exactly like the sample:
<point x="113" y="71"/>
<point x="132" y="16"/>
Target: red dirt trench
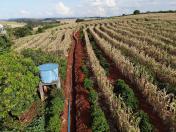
<point x="83" y="117"/>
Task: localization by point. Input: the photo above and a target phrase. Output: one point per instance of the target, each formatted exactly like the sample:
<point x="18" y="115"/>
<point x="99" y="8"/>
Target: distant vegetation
<point x="20" y="31"/>
<point x="136" y="12"/>
<point x="80" y="20"/>
<point x="46" y="26"/>
<point x="23" y="31"/>
<point x="28" y="29"/>
<point x="12" y="24"/>
<point x="169" y="11"/>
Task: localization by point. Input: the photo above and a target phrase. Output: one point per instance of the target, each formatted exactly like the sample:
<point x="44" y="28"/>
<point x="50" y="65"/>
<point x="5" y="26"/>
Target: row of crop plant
<point x="98" y="120"/>
<point x="123" y="90"/>
<point x="126" y="119"/>
<point x="136" y="77"/>
<point x="155" y="75"/>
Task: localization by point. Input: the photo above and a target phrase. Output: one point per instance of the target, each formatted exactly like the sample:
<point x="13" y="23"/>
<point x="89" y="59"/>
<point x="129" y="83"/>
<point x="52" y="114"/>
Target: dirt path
<point x="114" y="74"/>
<point x="82" y="105"/>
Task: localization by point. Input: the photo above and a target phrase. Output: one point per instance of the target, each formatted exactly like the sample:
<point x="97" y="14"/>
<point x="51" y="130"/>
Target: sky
<point x="78" y="8"/>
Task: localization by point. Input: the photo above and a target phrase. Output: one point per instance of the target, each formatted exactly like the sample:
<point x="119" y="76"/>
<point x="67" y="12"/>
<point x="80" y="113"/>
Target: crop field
<point x="57" y="41"/>
<point x="143" y="52"/>
<point x="117" y="74"/>
<point x="12" y="24"/>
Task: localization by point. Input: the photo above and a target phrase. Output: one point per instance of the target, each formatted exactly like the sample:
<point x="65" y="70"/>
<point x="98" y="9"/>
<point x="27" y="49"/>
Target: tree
<point x="79" y="20"/>
<point x="23" y="31"/>
<point x="5" y="43"/>
<point x="136" y="12"/>
<point x="40" y="30"/>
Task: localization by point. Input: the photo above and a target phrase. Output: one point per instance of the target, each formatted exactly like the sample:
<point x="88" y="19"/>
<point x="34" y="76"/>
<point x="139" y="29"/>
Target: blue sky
<point x="72" y="8"/>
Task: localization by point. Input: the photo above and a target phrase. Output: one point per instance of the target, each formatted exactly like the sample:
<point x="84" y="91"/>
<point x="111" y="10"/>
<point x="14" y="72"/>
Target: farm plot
<point x="146" y="59"/>
<point x="121" y="71"/>
<point x="12" y="24"/>
<point x="54" y="41"/>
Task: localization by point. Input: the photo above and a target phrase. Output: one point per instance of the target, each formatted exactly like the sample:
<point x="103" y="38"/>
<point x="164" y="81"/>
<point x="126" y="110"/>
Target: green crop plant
<point x="99" y="122"/>
<point x="18" y="85"/>
<point x="5" y="44"/>
<point x="103" y="61"/>
<point x="88" y="83"/>
<point x="126" y="93"/>
<point x="93" y="96"/>
<point x="145" y="125"/>
<point x="39" y="57"/>
<point x="54" y="108"/>
<point x="85" y="70"/>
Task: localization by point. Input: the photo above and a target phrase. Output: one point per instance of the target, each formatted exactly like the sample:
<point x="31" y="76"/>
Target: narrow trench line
<point x="82" y="102"/>
<point x="67" y="124"/>
<point x="115" y="74"/>
<point x="73" y="104"/>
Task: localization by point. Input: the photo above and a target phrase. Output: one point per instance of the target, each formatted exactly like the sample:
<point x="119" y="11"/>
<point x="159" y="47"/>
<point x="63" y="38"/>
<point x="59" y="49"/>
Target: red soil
<point x="83" y="117"/>
<point x="67" y="88"/>
<point x="74" y="90"/>
<point x="28" y="116"/>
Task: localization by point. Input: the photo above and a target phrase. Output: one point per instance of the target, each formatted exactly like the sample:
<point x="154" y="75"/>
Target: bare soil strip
<point x="68" y="88"/>
<point x="74" y="90"/>
<point x="82" y="105"/>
